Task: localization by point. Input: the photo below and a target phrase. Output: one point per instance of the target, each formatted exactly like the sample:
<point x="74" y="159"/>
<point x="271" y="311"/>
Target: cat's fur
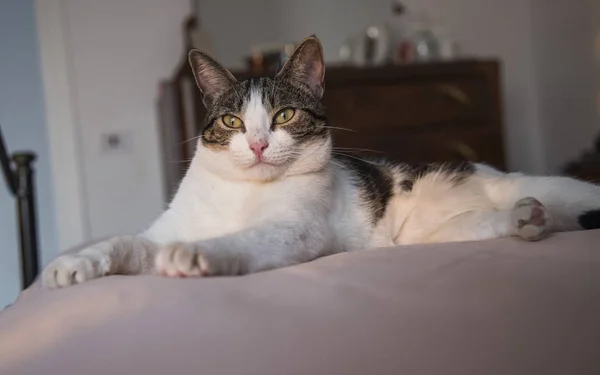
<point x="233" y="215"/>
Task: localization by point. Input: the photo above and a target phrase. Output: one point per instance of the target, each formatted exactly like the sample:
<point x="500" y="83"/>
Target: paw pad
<point x="531" y="219"/>
<point x="181" y="260"/>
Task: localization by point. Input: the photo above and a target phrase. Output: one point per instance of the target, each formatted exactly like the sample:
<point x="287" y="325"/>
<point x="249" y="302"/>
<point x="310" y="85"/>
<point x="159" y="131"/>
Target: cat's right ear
<point x="306" y="66"/>
<point x="212" y="79"/>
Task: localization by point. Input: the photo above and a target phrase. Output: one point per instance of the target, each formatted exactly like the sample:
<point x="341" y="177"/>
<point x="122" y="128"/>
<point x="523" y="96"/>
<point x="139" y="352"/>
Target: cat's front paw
<point x="181" y="260"/>
<point x="70" y="269"/>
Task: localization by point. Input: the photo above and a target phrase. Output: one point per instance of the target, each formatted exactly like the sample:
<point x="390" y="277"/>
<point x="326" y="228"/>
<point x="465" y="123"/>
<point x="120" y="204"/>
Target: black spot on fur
<point x="590" y="219"/>
<point x="375" y="183"/>
<point x="407" y="185"/>
<point x="458" y="171"/>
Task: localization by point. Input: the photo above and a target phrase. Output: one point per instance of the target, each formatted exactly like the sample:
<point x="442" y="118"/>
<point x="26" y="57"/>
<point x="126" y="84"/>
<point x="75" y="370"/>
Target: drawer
<point x="409" y="104"/>
<point x="477" y="144"/>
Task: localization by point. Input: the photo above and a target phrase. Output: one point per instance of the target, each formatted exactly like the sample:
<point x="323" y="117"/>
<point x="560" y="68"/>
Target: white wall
<point x="118" y="51"/>
<point x="524" y="34"/>
<point x="567" y="77"/>
<point x="235" y="25"/>
<point x="23" y="125"/>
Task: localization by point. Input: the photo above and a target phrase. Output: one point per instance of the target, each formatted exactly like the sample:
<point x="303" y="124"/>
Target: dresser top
<point x="336" y="72"/>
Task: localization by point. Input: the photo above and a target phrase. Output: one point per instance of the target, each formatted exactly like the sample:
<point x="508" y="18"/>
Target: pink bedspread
<point x="481" y="308"/>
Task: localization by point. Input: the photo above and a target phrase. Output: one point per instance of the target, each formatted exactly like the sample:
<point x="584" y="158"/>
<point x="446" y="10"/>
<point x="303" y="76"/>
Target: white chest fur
<point x="208" y="206"/>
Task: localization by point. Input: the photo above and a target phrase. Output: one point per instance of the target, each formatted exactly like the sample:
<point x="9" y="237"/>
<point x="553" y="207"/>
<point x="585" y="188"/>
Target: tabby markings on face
<point x="263" y="105"/>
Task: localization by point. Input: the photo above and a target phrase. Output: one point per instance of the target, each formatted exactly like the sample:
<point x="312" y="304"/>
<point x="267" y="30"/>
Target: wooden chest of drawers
<point x="413" y="113"/>
<point x="419" y="113"/>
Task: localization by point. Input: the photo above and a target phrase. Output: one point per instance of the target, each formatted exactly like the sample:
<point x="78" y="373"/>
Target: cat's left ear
<point x="212" y="78"/>
<point x="306" y="66"/>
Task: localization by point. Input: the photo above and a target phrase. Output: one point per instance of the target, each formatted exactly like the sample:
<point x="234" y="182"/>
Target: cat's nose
<point x="258" y="147"/>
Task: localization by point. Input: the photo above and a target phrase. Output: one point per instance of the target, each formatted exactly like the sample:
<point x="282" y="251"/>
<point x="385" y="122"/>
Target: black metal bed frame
<point x="19" y="178"/>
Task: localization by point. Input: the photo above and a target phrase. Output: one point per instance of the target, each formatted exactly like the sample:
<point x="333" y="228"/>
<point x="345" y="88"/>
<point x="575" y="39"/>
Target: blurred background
<point x="101" y="92"/>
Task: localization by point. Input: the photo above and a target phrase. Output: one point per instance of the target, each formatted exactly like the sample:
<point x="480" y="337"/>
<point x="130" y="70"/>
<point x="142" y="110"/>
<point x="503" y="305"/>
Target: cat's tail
<point x="573" y="204"/>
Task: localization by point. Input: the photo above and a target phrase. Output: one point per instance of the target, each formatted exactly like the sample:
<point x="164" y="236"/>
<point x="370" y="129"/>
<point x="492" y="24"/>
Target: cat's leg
<point x="252" y="250"/>
<point x="528" y="219"/>
<point x="573" y="204"/>
<point x="127" y="255"/>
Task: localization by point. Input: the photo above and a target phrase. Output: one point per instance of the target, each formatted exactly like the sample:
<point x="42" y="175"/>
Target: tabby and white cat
<point x="263" y="191"/>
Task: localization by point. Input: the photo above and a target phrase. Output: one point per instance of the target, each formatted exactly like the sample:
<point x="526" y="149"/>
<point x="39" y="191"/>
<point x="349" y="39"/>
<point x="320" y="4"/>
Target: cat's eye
<point x="284" y="116"/>
<point x="232" y="122"/>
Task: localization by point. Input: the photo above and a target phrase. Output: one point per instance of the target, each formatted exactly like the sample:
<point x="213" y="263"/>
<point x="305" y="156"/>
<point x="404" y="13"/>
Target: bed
<point x="18" y="174"/>
<point x="494" y="307"/>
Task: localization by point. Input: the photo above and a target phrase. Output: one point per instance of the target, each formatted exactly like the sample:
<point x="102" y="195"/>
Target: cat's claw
<point x="181" y="260"/>
<point x="69" y="270"/>
<point x="531" y="219"/>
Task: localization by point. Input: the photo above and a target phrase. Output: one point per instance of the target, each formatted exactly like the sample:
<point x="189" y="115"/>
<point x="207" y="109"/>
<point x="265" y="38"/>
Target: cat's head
<point x="264" y="128"/>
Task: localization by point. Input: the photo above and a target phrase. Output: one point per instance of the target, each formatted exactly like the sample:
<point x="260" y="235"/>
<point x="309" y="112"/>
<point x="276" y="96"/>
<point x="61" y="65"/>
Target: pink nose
<point x="258" y="147"/>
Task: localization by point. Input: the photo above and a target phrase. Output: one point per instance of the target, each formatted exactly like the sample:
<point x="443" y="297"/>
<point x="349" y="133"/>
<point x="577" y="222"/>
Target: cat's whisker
<point x="339" y="165"/>
<point x="348" y="149"/>
<point x="355" y="157"/>
<point x="180" y="161"/>
<point x="192" y="139"/>
<point x="346" y="169"/>
<point x="339" y="128"/>
<point x="332" y="161"/>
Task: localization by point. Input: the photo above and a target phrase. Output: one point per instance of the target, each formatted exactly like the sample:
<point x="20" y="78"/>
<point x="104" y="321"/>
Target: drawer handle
<point x="464" y="150"/>
<point x="455" y="93"/>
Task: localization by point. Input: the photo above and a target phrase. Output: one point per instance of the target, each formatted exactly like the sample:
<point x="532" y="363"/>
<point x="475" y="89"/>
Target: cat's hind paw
<point x="531" y="219"/>
<point x="181" y="260"/>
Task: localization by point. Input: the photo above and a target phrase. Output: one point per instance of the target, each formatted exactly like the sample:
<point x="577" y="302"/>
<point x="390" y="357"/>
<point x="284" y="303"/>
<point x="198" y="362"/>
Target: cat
<point x="263" y="191"/>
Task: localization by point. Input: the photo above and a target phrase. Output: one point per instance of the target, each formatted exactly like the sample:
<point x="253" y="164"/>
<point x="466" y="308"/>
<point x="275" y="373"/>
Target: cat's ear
<point x="306" y="66"/>
<point x="212" y="79"/>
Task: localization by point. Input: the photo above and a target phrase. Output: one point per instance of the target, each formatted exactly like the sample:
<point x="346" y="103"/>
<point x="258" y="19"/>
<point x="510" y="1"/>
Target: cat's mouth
<point x="263" y="162"/>
<point x="270" y="161"/>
